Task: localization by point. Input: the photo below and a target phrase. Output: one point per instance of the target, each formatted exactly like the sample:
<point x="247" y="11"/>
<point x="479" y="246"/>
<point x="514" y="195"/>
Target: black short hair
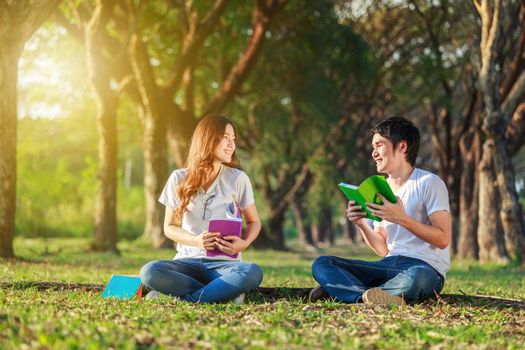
<point x="398" y="129"/>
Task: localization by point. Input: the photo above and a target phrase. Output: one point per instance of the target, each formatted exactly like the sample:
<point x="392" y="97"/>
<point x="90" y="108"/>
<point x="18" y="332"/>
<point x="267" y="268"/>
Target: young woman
<point x="207" y="188"/>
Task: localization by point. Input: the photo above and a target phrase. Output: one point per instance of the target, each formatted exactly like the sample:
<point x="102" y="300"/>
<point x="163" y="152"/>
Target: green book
<point x="367" y="192"/>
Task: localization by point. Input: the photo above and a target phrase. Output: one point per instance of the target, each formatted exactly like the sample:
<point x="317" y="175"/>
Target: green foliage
<point x="57" y="179"/>
<point x="323" y="190"/>
<point x="57" y="319"/>
<point x="54" y="189"/>
<point x="57" y="170"/>
<point x="164" y="26"/>
<point x="293" y="95"/>
<point x="130" y="212"/>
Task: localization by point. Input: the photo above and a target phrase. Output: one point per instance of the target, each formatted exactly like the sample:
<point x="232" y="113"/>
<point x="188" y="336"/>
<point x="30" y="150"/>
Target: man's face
<point x="387" y="159"/>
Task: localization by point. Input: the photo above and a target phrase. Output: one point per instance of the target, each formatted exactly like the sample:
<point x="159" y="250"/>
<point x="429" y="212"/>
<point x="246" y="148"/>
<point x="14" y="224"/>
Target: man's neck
<point x="398" y="177"/>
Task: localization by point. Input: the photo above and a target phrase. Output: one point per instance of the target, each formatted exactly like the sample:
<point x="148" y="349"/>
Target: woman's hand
<point x="207" y="240"/>
<point x="231" y="244"/>
<point x="355" y="213"/>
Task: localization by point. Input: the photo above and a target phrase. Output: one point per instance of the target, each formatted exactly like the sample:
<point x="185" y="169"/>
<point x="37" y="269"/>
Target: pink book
<point x="227" y="227"/>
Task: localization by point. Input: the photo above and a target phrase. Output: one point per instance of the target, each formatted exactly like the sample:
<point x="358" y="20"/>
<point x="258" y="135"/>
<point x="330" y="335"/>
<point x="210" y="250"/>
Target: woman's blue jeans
<point x="346" y="280"/>
<point x="201" y="280"/>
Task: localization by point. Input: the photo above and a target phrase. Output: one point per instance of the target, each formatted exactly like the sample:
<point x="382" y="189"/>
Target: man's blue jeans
<point x="201" y="280"/>
<point x="346" y="280"/>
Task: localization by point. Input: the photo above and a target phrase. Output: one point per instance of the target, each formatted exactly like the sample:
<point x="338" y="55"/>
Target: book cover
<point x="367" y="192"/>
<point x="123" y="287"/>
<point x="230" y="226"/>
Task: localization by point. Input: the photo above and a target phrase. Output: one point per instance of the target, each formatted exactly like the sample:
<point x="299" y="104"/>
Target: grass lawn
<point x="57" y="319"/>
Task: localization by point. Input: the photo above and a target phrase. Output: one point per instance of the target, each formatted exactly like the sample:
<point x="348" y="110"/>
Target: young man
<point x="413" y="237"/>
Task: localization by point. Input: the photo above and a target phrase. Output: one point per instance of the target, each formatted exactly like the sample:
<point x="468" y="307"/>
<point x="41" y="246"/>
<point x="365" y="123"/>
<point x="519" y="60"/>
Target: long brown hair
<point x="206" y="137"/>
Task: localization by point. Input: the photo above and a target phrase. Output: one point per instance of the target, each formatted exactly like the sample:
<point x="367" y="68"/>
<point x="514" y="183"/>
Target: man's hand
<point x="207" y="240"/>
<point x="231" y="244"/>
<point x="355" y="213"/>
<point x="391" y="212"/>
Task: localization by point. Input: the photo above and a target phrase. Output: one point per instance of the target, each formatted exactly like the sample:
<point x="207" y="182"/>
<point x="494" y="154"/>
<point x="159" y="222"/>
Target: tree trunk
<point x="468" y="219"/>
<point x="470" y="148"/>
<point x="349" y="230"/>
<point x="272" y="234"/>
<point x="511" y="213"/>
<point x="304" y="229"/>
<point x="453" y="181"/>
<point x="105" y="235"/>
<point x="322" y="231"/>
<point x="153" y="116"/>
<point x="18" y="20"/>
<point x="155" y="176"/>
<point x="490" y="237"/>
<point x="8" y="125"/>
<point x="179" y="130"/>
<point x="327" y="226"/>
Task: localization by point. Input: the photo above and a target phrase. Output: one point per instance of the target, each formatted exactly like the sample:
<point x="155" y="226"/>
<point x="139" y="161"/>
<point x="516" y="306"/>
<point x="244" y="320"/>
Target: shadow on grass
<point x="482" y="301"/>
<point x="95" y="259"/>
<point x="57" y="286"/>
<point x="265" y="295"/>
<point x="485" y="301"/>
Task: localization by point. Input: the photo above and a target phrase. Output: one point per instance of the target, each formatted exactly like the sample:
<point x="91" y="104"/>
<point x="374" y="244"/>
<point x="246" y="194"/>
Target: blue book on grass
<point x="123" y="287"/>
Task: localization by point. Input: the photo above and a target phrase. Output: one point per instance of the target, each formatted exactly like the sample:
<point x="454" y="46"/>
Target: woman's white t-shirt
<point x="231" y="188"/>
<point x="423" y="194"/>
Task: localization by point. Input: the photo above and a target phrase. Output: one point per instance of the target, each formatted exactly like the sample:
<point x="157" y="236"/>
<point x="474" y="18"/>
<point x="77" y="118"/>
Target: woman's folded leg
<point x="173" y="277"/>
<point x="228" y="279"/>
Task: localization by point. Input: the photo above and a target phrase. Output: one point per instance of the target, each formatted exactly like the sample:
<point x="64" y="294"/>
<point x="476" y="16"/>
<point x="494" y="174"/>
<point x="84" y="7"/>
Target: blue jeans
<point x="346" y="280"/>
<point x="201" y="280"/>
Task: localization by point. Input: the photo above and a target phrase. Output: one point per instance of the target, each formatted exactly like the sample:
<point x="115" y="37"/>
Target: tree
<point x="18" y="20"/>
<point x="105" y="236"/>
<point x="105" y="38"/>
<point x="159" y="106"/>
<point x="501" y="61"/>
<point x="442" y="85"/>
<point x="292" y="122"/>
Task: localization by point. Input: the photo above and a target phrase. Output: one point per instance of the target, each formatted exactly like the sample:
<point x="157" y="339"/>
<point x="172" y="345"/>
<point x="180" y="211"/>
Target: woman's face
<point x="224" y="150"/>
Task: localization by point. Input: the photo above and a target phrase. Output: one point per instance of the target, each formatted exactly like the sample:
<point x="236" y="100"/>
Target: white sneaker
<point x="153" y="295"/>
<point x="239" y="300"/>
<point x="158" y="295"/>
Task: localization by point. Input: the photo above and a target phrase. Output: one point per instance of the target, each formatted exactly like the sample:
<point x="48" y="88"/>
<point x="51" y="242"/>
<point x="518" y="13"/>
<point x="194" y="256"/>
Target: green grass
<point x="51" y="319"/>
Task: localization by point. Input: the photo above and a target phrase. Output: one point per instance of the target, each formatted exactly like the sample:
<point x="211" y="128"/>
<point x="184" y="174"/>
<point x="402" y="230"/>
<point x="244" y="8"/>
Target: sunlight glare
<point x="51" y="74"/>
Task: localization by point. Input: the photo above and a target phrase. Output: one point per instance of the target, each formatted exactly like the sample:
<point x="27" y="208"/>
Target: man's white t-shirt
<point x="231" y="188"/>
<point x="423" y="194"/>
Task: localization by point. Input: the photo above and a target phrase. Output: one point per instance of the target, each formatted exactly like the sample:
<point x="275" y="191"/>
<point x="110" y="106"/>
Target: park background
<point x="99" y="99"/>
